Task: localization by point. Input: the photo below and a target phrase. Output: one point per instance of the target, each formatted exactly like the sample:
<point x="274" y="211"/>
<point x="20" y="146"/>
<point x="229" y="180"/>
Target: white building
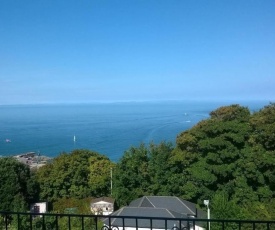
<point x="102" y="206"/>
<point x="39" y="207"/>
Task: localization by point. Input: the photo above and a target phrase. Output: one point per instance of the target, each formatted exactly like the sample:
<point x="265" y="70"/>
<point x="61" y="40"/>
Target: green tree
<point x="15" y="185"/>
<point x="131" y="175"/>
<point x="231" y="153"/>
<point x="100" y="175"/>
<point x="70" y="176"/>
<point x="262" y="145"/>
<point x="224" y="208"/>
<point x="143" y="170"/>
<point x="263" y="124"/>
<point x="208" y="154"/>
<point x="159" y="169"/>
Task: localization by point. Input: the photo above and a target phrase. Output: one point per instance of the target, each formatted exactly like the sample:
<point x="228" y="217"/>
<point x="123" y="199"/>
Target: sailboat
<point x="74" y="138"/>
<point x="186" y="114"/>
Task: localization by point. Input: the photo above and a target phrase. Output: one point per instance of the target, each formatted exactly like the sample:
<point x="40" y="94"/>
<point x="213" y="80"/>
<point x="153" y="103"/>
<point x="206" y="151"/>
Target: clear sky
<point x="55" y="51"/>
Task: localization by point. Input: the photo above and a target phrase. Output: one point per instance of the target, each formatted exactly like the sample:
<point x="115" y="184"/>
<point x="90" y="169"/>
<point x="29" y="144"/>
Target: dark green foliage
<point x="159" y="169"/>
<point x="231" y="113"/>
<point x="72" y="176"/>
<point x="263" y="124"/>
<point x="131" y="175"/>
<point x="224" y="208"/>
<point x="210" y="150"/>
<point x="233" y="153"/>
<point x="99" y="175"/>
<point x="142" y="171"/>
<point x="16" y="185"/>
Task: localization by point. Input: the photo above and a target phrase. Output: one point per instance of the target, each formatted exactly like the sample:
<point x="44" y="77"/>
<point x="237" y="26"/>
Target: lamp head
<point x="206" y="202"/>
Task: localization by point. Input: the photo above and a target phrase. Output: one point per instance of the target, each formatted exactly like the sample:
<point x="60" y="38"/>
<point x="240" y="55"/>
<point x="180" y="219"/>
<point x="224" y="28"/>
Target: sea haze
<point x="107" y="128"/>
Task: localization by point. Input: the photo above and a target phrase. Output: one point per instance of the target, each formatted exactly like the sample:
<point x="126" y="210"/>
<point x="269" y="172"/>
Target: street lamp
<point x="206" y="203"/>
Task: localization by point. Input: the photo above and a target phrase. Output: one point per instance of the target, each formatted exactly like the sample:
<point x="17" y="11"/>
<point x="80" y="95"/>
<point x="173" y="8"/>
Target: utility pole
<point x="111" y="181"/>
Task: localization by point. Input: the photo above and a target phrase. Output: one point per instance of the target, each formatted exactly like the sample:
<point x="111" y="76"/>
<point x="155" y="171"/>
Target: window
<point x="36" y="209"/>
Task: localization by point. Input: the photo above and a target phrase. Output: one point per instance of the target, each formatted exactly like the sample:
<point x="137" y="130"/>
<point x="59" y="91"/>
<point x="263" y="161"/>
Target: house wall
<point x="40" y="207"/>
<point x="102" y="208"/>
<point x="43" y="206"/>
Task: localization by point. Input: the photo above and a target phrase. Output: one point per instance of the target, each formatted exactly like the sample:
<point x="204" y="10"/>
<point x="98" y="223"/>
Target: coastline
<point x="32" y="159"/>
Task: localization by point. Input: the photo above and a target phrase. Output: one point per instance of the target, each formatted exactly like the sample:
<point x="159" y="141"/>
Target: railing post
<point x="82" y="222"/>
<point x="69" y="222"/>
<point x="136" y="223"/>
<point x="96" y="225"/>
<point x="56" y="221"/>
<point x="18" y="220"/>
<point x="6" y="221"/>
<point x="30" y="222"/>
<point x="44" y="224"/>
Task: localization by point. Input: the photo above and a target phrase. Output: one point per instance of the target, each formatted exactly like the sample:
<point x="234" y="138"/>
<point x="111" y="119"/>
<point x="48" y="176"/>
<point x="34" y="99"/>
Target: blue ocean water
<point x="107" y="128"/>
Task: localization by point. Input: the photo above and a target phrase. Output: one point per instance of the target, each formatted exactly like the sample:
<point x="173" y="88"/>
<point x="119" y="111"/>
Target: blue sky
<point x="56" y="51"/>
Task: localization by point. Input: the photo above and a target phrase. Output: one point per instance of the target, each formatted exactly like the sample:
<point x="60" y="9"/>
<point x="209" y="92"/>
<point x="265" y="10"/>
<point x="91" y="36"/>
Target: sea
<point x="107" y="128"/>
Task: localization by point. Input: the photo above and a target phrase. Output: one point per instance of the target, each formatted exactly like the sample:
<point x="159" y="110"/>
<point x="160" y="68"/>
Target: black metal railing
<point x="53" y="221"/>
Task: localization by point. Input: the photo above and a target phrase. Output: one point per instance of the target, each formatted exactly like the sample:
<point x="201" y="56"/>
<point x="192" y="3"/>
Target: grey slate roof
<point x="144" y="212"/>
<point x="155" y="206"/>
<point x="172" y="203"/>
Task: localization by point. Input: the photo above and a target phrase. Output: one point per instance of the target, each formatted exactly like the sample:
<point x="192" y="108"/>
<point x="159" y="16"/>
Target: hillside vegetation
<point x="228" y="159"/>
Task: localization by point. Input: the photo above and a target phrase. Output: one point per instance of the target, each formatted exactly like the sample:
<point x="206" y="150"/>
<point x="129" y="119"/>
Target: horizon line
<point x="141" y="101"/>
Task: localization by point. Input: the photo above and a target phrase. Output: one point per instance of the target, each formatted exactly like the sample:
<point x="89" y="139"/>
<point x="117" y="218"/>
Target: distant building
<point x="102" y="206"/>
<point x="39" y="207"/>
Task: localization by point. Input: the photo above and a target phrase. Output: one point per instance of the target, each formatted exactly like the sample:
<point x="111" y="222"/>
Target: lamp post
<point x="206" y="203"/>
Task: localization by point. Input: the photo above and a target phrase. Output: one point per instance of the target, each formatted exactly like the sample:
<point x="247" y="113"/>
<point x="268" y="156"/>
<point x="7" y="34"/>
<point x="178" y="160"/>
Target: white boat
<point x="7" y="140"/>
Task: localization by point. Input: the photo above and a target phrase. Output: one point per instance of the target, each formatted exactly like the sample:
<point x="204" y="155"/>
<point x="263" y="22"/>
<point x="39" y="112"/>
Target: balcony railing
<point x="53" y="221"/>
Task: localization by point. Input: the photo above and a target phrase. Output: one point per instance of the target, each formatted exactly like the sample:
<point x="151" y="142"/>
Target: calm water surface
<point x="109" y="128"/>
